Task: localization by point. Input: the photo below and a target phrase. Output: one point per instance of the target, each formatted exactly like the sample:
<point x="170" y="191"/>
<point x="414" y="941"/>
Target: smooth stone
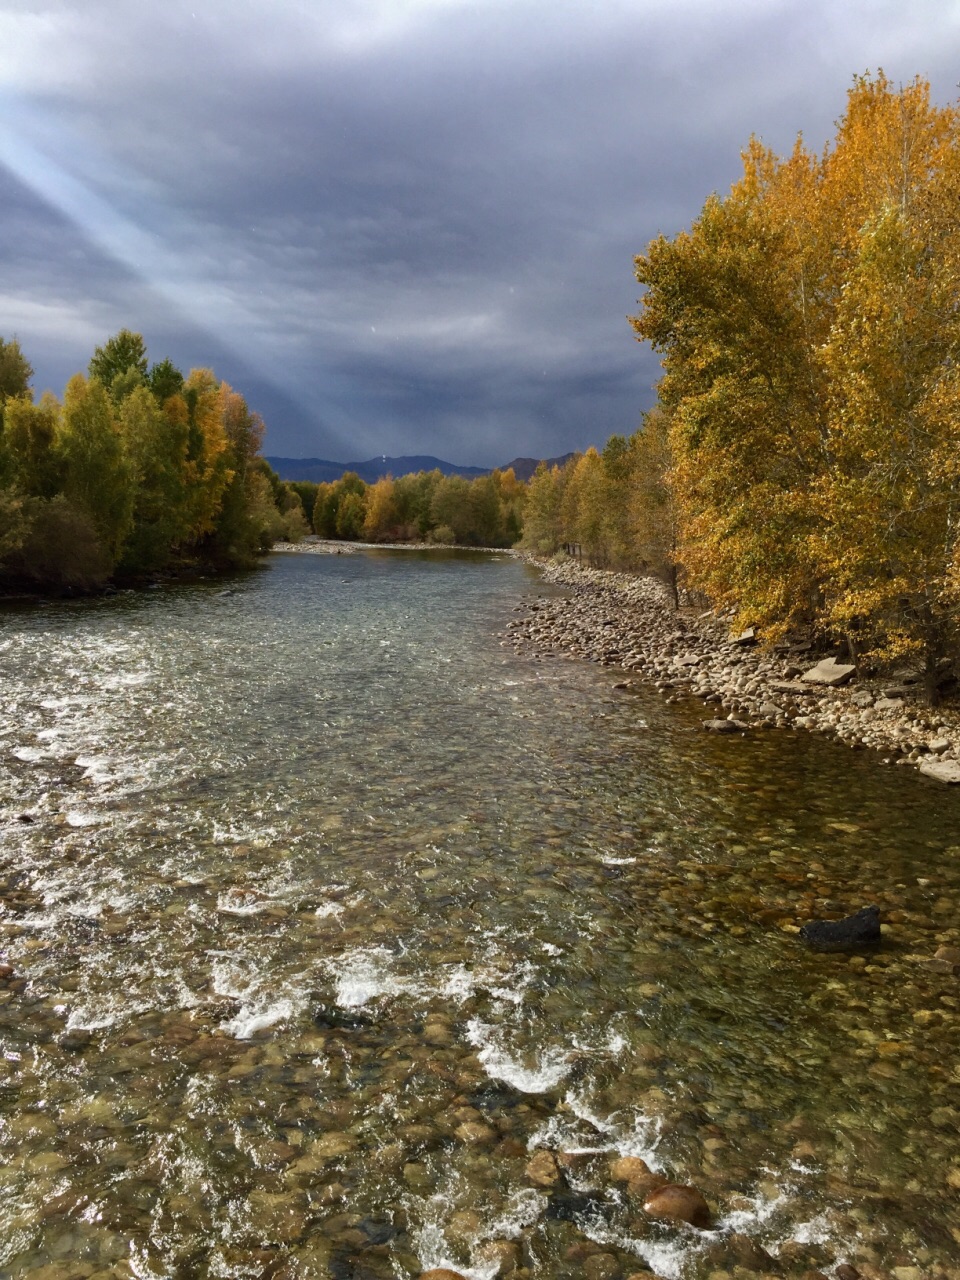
<point x="678" y="1204"/>
<point x="441" y="1273"/>
<point x="862" y="929"/>
<point x="829" y="672"/>
<point x="721" y="726"/>
<point x="943" y="770"/>
<point x="770" y="709"/>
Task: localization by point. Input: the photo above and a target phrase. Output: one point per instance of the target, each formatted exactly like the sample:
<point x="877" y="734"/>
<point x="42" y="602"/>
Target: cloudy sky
<point x="399" y="226"/>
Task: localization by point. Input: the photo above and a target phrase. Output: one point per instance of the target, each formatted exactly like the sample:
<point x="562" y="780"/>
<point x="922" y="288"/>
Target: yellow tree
<point x="735" y="308"/>
<point x="207" y="470"/>
<point x="653" y="537"/>
<point x="381" y="517"/>
<point x="891" y="493"/>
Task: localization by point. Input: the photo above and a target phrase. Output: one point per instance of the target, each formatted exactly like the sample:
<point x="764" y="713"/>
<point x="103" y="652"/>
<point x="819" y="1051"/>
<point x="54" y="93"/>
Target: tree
<point x="33" y="464"/>
<point x="125" y="354"/>
<point x="165" y="380"/>
<point x="207" y="468"/>
<point x="651" y="512"/>
<point x="891" y="494"/>
<point x="98" y="479"/>
<point x="15" y="371"/>
<point x="542" y="532"/>
<point x="156" y="445"/>
<point x="380" y="521"/>
<point x="351" y="512"/>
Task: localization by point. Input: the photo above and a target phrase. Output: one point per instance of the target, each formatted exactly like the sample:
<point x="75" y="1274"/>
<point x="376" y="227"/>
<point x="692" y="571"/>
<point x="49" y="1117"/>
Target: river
<point x="326" y="911"/>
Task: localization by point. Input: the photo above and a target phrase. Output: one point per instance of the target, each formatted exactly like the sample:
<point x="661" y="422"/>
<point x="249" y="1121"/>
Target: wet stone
<point x="678" y="1203"/>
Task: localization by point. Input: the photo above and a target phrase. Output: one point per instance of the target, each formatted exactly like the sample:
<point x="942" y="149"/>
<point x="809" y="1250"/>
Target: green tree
<point x="156" y="446"/>
<point x="15" y="371"/>
<point x="165" y="380"/>
<point x="98" y="479"/>
<point x="351" y="512"/>
<point x="123" y="356"/>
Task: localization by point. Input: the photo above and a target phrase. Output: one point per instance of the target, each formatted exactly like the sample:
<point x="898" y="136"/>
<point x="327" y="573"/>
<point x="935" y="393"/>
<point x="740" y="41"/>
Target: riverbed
<point x="326" y="912"/>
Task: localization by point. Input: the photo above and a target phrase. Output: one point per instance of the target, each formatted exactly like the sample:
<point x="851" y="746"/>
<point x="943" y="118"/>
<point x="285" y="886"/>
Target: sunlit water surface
<point x="331" y="910"/>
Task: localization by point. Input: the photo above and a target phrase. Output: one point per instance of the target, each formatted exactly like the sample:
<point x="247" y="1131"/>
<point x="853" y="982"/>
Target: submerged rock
<point x="76" y="1039"/>
<point x="678" y="1204"/>
<point x="441" y="1273"/>
<point x="542" y="1169"/>
<point x="862" y="929"/>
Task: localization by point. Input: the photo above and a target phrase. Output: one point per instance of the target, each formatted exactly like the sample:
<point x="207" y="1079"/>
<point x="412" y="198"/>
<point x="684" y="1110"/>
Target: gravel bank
<point x="620" y="620"/>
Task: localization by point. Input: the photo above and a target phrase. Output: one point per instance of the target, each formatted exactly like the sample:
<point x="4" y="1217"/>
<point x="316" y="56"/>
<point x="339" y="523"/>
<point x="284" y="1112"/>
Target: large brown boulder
<point x="441" y="1273"/>
<point x="678" y="1204"/>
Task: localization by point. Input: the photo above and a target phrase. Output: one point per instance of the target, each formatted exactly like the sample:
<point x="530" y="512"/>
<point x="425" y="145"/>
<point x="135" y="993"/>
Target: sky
<point x="400" y="226"/>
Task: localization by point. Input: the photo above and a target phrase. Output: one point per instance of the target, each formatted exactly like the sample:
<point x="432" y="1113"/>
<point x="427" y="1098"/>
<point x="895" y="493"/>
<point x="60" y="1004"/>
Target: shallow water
<point x="331" y="910"/>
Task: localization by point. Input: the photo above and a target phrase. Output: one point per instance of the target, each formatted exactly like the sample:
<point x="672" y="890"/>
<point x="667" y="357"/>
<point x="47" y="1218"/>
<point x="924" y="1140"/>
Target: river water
<point x="326" y="911"/>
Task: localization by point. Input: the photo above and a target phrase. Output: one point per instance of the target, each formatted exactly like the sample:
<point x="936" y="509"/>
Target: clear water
<point x="332" y="910"/>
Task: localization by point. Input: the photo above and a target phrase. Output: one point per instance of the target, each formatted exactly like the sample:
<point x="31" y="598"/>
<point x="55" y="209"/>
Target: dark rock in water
<point x="75" y="1040"/>
<point x="862" y="929"/>
<point x="738" y="1250"/>
<point x="377" y="1231"/>
<point x="334" y="1019"/>
<point x="569" y="1206"/>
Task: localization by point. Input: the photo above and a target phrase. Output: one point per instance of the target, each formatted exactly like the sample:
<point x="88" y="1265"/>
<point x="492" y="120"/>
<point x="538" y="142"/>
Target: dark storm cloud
<point x="399" y="227"/>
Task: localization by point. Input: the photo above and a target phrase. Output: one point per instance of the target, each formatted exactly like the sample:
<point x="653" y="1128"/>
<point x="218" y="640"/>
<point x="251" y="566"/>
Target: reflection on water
<point x="326" y="911"/>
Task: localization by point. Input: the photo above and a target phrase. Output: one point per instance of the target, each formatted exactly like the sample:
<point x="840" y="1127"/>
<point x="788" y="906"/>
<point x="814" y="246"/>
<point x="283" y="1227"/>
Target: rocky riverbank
<point x="620" y="620"/>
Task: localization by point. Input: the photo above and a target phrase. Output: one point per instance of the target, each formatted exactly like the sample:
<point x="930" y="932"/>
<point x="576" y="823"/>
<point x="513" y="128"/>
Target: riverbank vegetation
<point x="802" y="465"/>
<point x="424" y="506"/>
<point x="137" y="471"/>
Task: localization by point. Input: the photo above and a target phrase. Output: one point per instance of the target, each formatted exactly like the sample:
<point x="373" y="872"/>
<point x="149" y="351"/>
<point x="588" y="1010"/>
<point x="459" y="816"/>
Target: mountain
<point x="319" y="469"/>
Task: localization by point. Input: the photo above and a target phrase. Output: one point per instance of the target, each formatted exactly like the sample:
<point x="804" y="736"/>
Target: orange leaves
<point x="809" y="325"/>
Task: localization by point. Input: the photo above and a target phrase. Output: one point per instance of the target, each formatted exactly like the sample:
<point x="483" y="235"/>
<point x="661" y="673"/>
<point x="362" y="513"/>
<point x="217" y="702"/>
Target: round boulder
<point x="678" y="1204"/>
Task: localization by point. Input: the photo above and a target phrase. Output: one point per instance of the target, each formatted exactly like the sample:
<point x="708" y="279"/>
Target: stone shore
<point x="619" y="620"/>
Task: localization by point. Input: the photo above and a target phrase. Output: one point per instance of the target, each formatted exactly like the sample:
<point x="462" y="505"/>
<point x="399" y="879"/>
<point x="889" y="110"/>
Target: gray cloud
<point x="404" y="226"/>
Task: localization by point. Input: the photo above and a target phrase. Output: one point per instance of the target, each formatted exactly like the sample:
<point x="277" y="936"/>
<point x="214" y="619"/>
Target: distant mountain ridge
<point x="320" y="470"/>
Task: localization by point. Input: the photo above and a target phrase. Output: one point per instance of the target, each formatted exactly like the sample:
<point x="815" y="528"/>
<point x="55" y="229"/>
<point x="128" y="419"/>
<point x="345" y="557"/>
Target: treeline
<point x="138" y="470"/>
<point x="804" y="459"/>
<point x="615" y="508"/>
<point x="425" y="506"/>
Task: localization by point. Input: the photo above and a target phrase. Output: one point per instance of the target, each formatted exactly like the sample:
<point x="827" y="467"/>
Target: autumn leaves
<point x="809" y="324"/>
